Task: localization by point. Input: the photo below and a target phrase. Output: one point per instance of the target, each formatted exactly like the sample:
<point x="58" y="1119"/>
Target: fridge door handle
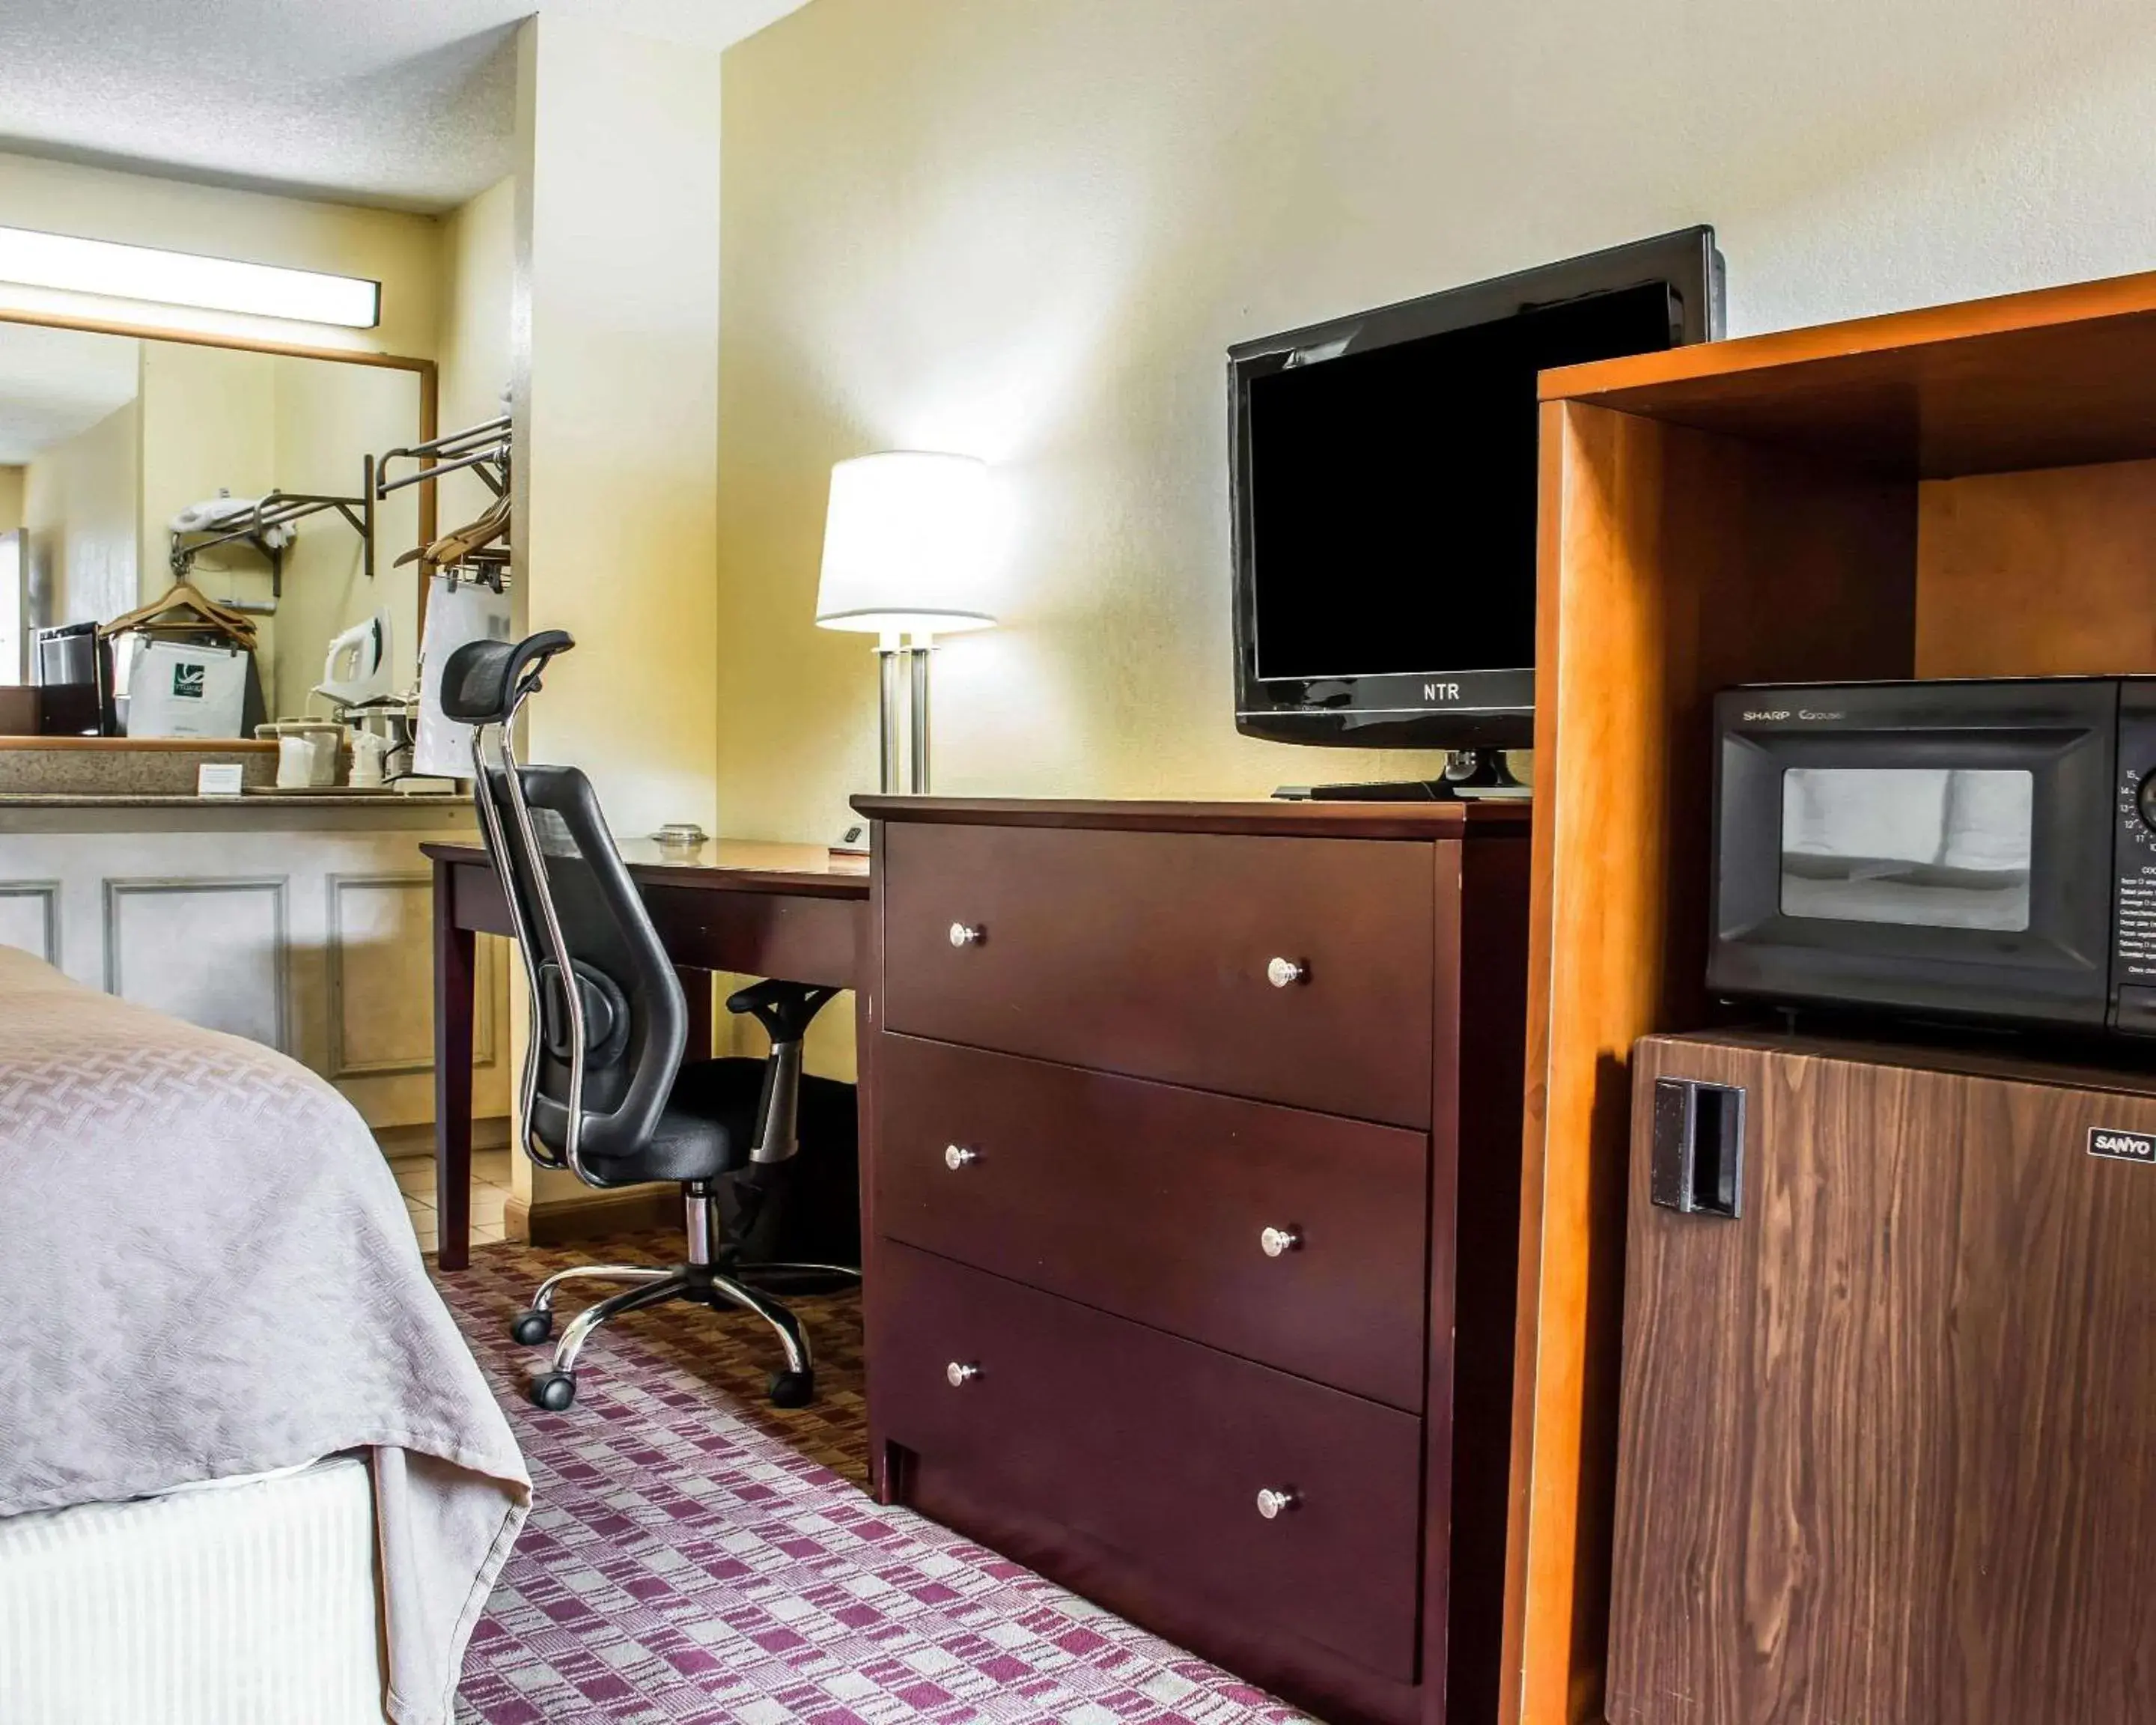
<point x="1697" y="1153"/>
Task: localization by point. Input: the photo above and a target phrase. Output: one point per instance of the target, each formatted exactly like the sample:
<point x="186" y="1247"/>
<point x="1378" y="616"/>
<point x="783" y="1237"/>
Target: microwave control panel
<point x="2133" y="917"/>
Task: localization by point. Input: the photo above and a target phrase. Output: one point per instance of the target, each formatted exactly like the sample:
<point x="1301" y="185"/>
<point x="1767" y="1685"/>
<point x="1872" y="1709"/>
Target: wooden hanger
<point x="457" y="544"/>
<point x="167" y="614"/>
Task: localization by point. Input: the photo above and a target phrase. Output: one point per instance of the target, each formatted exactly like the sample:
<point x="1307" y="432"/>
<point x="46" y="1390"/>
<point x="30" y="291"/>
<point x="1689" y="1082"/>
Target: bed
<point x="249" y="1470"/>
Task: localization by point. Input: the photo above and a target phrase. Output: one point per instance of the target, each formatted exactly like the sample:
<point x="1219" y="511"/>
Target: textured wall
<point x="617" y="434"/>
<point x="1029" y="231"/>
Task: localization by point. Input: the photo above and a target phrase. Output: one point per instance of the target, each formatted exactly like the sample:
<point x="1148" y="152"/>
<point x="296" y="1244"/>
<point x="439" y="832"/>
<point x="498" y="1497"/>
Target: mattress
<point x="251" y="1602"/>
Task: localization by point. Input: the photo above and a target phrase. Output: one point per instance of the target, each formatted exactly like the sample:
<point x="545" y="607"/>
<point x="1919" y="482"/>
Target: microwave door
<point x="1961" y="870"/>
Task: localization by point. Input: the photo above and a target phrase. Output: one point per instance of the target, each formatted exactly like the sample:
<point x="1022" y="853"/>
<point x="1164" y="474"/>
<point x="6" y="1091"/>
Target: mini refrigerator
<point x="1888" y="1447"/>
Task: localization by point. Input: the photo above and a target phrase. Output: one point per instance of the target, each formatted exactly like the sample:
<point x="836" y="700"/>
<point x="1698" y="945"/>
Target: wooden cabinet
<point x="1960" y="491"/>
<point x="1193" y="1211"/>
<point x="1885" y="1443"/>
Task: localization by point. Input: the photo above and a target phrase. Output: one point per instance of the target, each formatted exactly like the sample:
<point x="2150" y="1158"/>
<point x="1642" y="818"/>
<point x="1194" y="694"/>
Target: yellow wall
<point x="479" y="326"/>
<point x="400" y="251"/>
<point x="616" y="407"/>
<point x="327" y="416"/>
<point x="618" y="410"/>
<point x="208" y="423"/>
<point x="11" y="498"/>
<point x="1029" y="232"/>
<point x="80" y="511"/>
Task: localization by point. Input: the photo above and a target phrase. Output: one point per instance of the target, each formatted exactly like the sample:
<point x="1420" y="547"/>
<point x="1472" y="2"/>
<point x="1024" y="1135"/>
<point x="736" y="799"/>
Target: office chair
<point x="604" y="1091"/>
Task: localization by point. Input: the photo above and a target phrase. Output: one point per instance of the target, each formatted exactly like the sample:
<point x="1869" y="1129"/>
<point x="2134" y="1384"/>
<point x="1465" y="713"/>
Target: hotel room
<point x="1077" y="862"/>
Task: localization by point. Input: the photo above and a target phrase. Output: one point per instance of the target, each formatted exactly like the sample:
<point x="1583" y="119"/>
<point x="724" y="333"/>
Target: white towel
<point x="223" y="512"/>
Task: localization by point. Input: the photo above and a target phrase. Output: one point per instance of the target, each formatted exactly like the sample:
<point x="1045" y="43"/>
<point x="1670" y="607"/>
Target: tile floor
<point x="490" y="1193"/>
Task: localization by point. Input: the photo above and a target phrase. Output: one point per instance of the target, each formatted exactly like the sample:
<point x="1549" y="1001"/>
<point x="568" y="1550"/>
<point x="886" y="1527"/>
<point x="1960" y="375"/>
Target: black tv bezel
<point x="1436" y="708"/>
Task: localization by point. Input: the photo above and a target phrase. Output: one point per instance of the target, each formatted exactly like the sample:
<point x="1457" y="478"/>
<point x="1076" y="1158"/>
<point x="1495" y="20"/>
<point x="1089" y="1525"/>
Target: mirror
<point x="127" y="464"/>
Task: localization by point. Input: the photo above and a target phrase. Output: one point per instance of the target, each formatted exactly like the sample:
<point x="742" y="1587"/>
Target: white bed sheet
<point x="252" y="1602"/>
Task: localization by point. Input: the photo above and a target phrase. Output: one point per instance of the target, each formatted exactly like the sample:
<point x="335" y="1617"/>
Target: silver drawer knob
<point x="957" y="1156"/>
<point x="966" y="935"/>
<point x="1286" y="973"/>
<point x="1274" y="1241"/>
<point x="1271" y="1502"/>
<point x="958" y="1375"/>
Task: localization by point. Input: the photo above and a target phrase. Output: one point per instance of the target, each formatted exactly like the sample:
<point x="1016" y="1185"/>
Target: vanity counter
<point x="301" y="919"/>
<point x="256" y="801"/>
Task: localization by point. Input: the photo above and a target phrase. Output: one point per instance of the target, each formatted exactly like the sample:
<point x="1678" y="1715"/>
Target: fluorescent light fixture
<point x="143" y="272"/>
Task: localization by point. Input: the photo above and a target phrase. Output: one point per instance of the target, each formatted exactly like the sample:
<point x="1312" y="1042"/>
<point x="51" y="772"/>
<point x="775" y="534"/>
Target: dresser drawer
<point x="1158" y="1448"/>
<point x="1152" y="1201"/>
<point x="1148" y="953"/>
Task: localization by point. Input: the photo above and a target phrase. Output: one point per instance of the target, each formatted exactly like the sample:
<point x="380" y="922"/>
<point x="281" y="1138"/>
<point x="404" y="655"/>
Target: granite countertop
<point x="326" y="798"/>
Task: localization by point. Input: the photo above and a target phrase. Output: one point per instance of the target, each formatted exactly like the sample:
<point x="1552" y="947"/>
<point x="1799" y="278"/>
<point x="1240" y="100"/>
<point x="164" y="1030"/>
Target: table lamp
<point x="905" y="554"/>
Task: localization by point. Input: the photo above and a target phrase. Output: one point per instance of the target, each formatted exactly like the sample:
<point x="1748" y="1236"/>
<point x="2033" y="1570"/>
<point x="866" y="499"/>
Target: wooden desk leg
<point x="696" y="989"/>
<point x="455" y="951"/>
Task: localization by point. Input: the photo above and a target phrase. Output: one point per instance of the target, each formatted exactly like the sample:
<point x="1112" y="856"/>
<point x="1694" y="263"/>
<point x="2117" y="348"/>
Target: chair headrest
<point x="481" y="682"/>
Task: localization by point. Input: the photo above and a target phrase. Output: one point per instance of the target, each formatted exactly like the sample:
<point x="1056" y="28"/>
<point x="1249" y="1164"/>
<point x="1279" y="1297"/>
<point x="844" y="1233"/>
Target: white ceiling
<point x="406" y="102"/>
<point x="54" y="383"/>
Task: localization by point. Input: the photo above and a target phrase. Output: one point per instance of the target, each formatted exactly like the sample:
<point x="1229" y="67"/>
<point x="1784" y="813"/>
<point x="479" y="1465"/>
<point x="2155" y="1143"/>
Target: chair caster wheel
<point x="554" y="1391"/>
<point x="529" y="1328"/>
<point x="792" y="1390"/>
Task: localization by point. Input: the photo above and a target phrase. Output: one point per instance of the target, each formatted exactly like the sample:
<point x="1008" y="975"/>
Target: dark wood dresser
<point x="1192" y="1150"/>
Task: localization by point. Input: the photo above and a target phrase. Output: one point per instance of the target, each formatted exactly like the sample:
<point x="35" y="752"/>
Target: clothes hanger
<point x="184" y="596"/>
<point x="457" y="546"/>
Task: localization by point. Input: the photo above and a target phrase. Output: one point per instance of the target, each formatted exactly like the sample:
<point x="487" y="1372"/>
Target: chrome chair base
<point x="555" y="1387"/>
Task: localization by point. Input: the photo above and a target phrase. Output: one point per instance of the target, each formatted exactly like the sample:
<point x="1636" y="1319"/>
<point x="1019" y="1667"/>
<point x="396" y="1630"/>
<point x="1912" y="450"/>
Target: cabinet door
<point x="1889" y="1439"/>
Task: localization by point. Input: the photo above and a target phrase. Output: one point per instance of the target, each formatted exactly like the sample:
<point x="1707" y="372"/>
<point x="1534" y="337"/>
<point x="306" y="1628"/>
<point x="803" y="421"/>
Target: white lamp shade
<point x="905" y="545"/>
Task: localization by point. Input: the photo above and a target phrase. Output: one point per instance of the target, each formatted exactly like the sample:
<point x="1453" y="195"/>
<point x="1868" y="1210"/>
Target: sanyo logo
<point x="2121" y="1146"/>
<point x="1440" y="691"/>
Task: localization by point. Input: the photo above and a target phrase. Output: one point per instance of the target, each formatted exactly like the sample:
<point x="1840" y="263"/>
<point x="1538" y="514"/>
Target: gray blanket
<point x="207" y="1270"/>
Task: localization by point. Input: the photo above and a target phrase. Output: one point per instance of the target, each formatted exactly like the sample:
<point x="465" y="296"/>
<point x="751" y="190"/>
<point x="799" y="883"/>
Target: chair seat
<point x="708" y="1128"/>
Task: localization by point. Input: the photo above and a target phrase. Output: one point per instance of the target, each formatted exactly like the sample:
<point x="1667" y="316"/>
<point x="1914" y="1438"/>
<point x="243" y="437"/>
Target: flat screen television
<point x="1384" y="487"/>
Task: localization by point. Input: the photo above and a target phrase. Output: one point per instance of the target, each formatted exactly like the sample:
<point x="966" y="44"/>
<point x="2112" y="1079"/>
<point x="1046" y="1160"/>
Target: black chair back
<point x="577" y="912"/>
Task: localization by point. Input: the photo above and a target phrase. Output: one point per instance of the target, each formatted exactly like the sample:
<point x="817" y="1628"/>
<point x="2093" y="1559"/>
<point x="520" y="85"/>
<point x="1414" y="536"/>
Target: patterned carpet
<point x="697" y="1555"/>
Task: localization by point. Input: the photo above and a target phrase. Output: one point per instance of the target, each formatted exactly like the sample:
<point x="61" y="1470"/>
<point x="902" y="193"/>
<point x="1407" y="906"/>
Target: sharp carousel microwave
<point x="1980" y="849"/>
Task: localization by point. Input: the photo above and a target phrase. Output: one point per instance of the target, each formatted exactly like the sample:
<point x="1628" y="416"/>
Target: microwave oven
<point x="1981" y="848"/>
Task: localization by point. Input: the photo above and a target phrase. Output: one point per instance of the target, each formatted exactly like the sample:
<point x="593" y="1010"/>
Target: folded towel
<point x="223" y="512"/>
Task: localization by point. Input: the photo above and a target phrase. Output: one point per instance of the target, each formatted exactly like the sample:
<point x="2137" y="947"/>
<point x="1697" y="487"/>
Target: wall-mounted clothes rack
<point x="479" y="549"/>
<point x="282" y="509"/>
<point x="480" y="450"/>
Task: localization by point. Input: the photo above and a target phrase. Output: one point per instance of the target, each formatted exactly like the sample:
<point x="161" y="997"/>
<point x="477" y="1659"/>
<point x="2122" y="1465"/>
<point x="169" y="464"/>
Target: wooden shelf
<point x="1966" y="490"/>
<point x="2064" y="378"/>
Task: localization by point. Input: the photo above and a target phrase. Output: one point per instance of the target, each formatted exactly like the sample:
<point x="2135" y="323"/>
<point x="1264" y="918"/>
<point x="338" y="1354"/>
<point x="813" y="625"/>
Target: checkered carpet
<point x="697" y="1555"/>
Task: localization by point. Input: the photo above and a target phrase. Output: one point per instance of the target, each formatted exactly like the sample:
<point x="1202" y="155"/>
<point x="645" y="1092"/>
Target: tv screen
<point x="1393" y="492"/>
<point x="1386" y="475"/>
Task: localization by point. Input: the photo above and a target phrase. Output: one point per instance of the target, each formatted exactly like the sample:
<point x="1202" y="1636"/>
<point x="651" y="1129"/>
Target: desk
<point x="790" y="911"/>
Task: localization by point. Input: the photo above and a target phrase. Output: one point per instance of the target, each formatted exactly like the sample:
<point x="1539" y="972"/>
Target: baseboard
<point x="558" y="1221"/>
<point x="402" y="1141"/>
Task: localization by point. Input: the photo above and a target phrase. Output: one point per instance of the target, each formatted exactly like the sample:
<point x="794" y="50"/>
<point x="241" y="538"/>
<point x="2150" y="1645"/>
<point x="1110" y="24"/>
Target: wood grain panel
<point x="1157" y="1447"/>
<point x="2062" y="376"/>
<point x="1674" y="563"/>
<point x="1886" y="1449"/>
<point x="2046" y="573"/>
<point x="1147" y="953"/>
<point x="1148" y="1200"/>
